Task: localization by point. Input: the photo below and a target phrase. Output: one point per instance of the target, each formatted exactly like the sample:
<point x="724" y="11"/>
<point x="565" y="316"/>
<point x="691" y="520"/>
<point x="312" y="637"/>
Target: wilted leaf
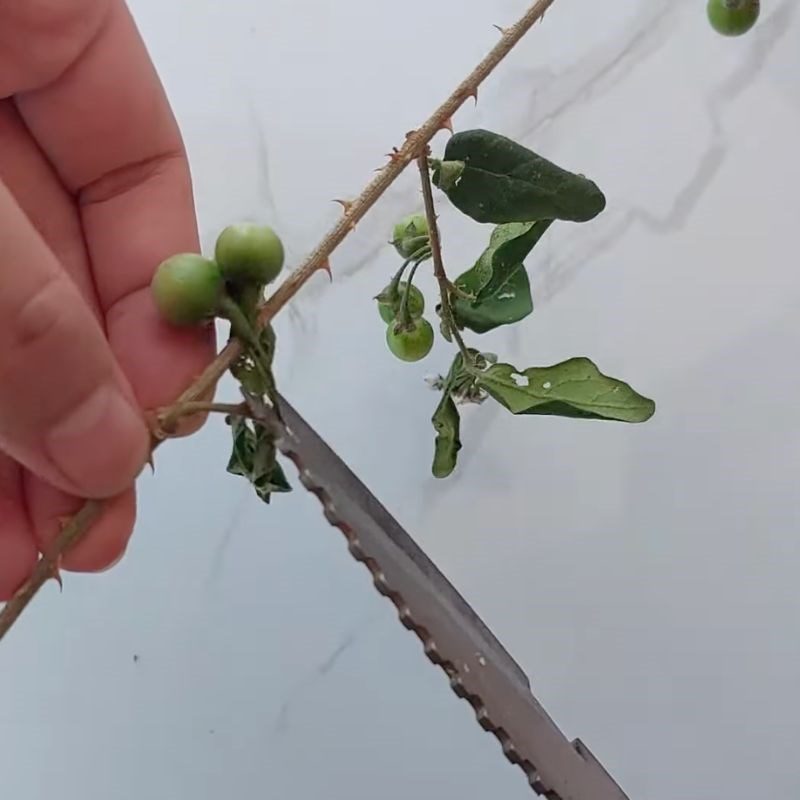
<point x="574" y="388"/>
<point x="254" y="457"/>
<point x="447" y="423"/>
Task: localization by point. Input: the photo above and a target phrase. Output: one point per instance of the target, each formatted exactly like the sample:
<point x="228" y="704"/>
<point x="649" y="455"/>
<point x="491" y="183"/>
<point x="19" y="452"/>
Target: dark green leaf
<point x="491" y="178"/>
<point x="511" y="303"/>
<point x="241" y="460"/>
<point x="274" y="481"/>
<point x="498" y="281"/>
<point x="574" y="388"/>
<point x="447" y="424"/>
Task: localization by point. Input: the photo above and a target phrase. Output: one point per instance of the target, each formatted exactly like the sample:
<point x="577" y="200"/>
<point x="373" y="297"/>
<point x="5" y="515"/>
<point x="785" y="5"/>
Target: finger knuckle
<point x="44" y="316"/>
<point x="61" y="29"/>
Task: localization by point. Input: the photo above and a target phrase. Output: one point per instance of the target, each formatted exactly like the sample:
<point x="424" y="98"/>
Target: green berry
<point x="389" y="310"/>
<point x="412" y="342"/>
<point x="249" y="253"/>
<point x="732" y="17"/>
<point x="410" y="234"/>
<point x="187" y="288"/>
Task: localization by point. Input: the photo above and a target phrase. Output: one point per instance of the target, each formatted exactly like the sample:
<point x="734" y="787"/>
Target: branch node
<point x="160" y="425"/>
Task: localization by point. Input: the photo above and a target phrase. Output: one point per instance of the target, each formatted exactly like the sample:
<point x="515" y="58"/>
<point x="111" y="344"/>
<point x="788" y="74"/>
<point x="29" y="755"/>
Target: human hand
<point x="94" y="192"/>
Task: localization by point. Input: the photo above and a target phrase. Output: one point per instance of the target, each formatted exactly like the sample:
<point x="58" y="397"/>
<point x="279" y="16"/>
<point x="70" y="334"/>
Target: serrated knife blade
<point x="480" y="669"/>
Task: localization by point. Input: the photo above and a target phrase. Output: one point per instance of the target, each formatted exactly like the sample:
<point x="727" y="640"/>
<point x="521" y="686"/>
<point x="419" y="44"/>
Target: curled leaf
<point x="447" y="423"/>
<point x="498" y="282"/>
<point x="254" y="457"/>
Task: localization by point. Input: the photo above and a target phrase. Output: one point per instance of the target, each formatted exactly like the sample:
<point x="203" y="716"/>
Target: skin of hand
<point x="95" y="192"/>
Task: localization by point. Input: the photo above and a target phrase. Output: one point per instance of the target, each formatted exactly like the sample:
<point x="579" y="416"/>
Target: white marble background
<point x="647" y="575"/>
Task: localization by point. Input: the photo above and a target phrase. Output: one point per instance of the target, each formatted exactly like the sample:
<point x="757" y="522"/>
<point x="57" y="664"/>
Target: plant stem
<point x="459" y="292"/>
<point x="415" y="143"/>
<point x="418" y="255"/>
<point x="199" y="407"/>
<point x="404" y="315"/>
<point x="438" y="265"/>
<point x="244" y="330"/>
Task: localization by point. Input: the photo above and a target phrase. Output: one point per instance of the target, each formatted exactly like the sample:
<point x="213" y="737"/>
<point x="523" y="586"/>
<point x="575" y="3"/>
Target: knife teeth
<point x="407" y="619"/>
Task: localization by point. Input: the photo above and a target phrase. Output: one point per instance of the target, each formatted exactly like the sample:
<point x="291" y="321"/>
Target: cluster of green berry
<point x="401" y="304"/>
<point x="190" y="289"/>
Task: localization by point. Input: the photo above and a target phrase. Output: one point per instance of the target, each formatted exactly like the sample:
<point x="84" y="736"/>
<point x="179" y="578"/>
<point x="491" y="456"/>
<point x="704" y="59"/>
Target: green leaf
<point x="574" y="388"/>
<point x="511" y="303"/>
<point x="254" y="457"/>
<point x="491" y="178"/>
<point x="273" y="481"/>
<point x="447" y="423"/>
<point x="241" y="460"/>
<point x="498" y="281"/>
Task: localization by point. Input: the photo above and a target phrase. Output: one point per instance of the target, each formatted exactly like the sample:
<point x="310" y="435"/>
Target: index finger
<point x="105" y="124"/>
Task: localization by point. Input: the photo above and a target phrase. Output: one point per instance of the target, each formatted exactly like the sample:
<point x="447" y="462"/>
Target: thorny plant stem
<point x="48" y="564"/>
<point x="438" y="265"/>
<point x="415" y="143"/>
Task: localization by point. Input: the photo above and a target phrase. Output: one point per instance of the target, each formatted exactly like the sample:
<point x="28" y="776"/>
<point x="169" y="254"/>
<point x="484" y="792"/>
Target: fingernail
<point x="102" y="445"/>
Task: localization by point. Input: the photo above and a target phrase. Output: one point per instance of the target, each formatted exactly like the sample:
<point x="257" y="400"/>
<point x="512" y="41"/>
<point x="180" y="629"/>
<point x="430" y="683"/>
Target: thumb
<point x="65" y="411"/>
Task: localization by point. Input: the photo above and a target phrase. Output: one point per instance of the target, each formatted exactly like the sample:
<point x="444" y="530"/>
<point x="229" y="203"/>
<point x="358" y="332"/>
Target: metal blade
<point x="480" y="669"/>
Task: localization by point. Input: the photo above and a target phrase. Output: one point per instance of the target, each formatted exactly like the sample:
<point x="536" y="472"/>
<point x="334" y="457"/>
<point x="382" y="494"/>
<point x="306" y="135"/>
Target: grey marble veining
<point x="645" y="576"/>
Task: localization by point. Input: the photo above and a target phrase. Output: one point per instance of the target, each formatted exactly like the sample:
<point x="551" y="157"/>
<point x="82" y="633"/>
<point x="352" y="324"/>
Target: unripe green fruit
<point x="249" y="253"/>
<point x="732" y="17"/>
<point x="389" y="310"/>
<point x="409" y="233"/>
<point x="186" y="288"/>
<point x="410" y="343"/>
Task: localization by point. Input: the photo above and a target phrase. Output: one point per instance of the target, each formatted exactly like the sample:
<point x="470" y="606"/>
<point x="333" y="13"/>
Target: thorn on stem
<point x="502" y="30"/>
<point x="151" y="463"/>
<point x="55" y="565"/>
<point x="325" y="266"/>
<point x="474" y="95"/>
<point x="55" y="574"/>
<point x="345" y="204"/>
<point x="447" y="125"/>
